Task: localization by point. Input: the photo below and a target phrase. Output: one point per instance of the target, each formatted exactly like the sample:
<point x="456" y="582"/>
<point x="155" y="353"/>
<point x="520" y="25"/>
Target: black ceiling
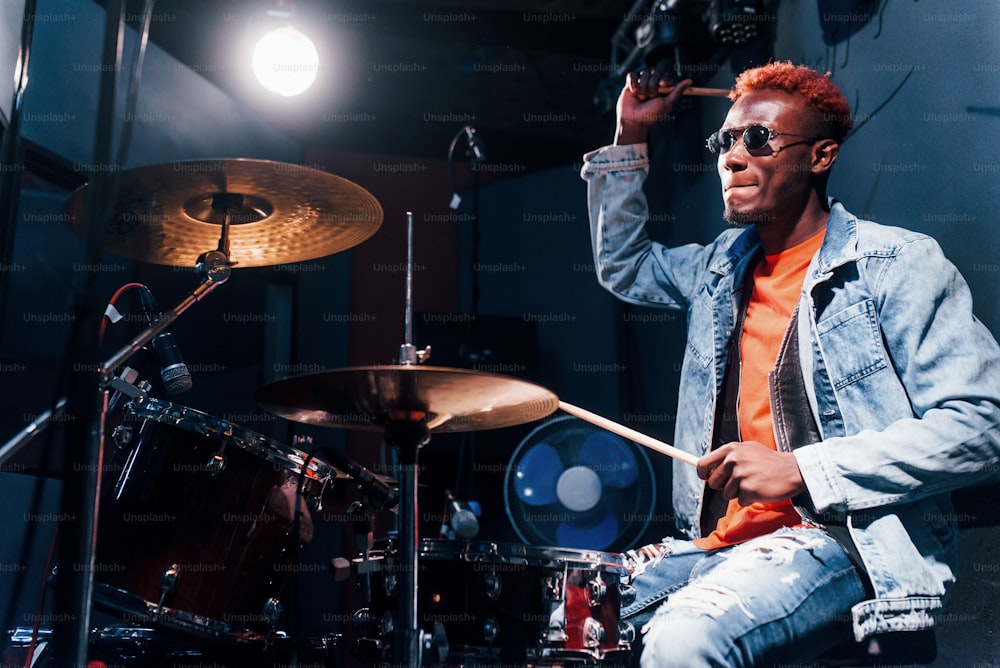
<point x="402" y="77"/>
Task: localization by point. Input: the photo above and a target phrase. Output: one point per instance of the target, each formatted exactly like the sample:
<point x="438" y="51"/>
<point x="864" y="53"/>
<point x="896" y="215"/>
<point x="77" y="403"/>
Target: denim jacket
<point x="902" y="379"/>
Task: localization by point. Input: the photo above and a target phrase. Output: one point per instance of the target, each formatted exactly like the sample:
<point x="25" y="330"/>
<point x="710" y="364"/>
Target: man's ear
<point x="825" y="153"/>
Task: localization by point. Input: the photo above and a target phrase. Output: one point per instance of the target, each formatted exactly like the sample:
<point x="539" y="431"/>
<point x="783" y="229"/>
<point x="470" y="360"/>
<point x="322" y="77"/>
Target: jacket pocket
<point x="852" y="343"/>
<point x="700" y="341"/>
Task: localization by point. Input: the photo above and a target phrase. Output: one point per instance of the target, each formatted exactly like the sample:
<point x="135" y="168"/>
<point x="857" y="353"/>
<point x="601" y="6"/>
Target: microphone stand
<point x="74" y="591"/>
<point x="216" y="267"/>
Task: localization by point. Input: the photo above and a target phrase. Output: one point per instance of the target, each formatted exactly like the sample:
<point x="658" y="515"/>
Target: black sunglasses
<point x="755" y="138"/>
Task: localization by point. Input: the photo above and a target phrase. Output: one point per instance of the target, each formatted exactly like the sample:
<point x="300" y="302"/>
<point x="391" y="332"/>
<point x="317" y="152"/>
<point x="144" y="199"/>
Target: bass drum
<point x="201" y="521"/>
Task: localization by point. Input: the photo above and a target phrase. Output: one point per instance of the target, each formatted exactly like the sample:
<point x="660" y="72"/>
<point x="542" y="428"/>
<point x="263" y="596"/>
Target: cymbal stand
<point x="408" y="436"/>
<point x="408" y="432"/>
<point x="408" y="353"/>
<point x="215" y="266"/>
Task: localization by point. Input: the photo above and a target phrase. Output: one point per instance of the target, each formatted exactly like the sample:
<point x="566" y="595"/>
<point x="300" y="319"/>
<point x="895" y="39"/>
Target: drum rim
<point x="265" y="447"/>
<point x="519" y="554"/>
<point x="136" y="609"/>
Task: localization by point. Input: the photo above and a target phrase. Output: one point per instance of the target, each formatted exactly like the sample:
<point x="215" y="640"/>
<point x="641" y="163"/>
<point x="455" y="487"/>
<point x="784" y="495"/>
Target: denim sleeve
<point x="629" y="264"/>
<point x="948" y="363"/>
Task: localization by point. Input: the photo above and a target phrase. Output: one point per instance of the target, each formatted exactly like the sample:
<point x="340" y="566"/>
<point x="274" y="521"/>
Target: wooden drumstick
<point x="693" y="90"/>
<point x="632" y="434"/>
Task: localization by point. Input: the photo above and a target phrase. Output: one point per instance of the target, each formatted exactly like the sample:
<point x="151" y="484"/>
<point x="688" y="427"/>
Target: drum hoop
<point x="138" y="610"/>
<point x="488" y="552"/>
<point x="198" y="422"/>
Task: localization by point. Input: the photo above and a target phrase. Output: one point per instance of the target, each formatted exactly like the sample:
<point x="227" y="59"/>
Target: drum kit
<point x="201" y="520"/>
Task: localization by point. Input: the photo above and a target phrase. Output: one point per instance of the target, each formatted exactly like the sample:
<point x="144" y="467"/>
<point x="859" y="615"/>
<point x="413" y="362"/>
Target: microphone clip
<point x="174" y="372"/>
<point x="475" y="145"/>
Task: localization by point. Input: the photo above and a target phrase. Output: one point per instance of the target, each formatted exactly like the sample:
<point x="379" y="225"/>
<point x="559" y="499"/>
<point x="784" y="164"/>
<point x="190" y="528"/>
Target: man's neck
<point x="780" y="235"/>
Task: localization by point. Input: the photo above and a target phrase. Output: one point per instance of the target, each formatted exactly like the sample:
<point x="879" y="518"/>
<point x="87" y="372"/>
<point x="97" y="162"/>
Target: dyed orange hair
<point x="817" y="89"/>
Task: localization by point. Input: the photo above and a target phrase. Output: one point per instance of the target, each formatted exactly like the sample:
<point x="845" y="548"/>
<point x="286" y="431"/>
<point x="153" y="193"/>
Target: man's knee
<point x="685" y="642"/>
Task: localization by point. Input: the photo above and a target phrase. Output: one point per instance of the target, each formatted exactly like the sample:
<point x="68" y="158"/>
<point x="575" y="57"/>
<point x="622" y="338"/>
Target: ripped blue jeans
<point x="781" y="598"/>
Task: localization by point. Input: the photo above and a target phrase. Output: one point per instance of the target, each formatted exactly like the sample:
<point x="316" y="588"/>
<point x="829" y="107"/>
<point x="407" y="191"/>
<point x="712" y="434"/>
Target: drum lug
<point x="386" y="625"/>
<point x="626" y="632"/>
<point x="314" y="503"/>
<point x="216" y="465"/>
<point x="390" y="583"/>
<point x="593" y="633"/>
<point x="597" y="591"/>
<point x="438" y="642"/>
<point x="554" y="587"/>
<point x="494" y="583"/>
<point x="272" y="611"/>
<point x="491" y="630"/>
<point x="627" y="594"/>
<point x="121" y="436"/>
<point x="361" y="619"/>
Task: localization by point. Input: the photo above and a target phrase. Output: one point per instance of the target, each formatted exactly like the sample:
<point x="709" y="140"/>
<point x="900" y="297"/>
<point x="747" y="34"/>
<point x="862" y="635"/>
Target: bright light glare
<point x="285" y="61"/>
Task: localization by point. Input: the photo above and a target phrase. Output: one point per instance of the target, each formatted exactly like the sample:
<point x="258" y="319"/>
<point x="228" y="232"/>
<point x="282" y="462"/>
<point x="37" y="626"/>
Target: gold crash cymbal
<point x="444" y="399"/>
<point x="285" y="213"/>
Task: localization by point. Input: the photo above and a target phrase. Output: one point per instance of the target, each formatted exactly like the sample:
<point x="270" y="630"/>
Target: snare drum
<point x="501" y="604"/>
<point x="201" y="521"/>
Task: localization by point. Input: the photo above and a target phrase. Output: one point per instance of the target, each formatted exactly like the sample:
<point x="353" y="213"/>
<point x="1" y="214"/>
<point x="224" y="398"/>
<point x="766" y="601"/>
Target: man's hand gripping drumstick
<point x="749" y="471"/>
<point x="647" y="98"/>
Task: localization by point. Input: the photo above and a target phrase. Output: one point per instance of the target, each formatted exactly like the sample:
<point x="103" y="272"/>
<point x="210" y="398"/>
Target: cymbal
<point x="442" y="398"/>
<point x="279" y="212"/>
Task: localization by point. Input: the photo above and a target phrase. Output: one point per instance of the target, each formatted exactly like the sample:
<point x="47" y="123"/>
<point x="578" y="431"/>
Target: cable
<point x="41" y="601"/>
<point x="110" y="311"/>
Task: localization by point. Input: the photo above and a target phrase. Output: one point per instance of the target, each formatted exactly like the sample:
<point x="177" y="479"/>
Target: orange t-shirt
<point x="777" y="282"/>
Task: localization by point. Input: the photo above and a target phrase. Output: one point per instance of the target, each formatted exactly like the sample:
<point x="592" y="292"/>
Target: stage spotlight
<point x="673" y="36"/>
<point x="285" y="61"/>
<point x="735" y="22"/>
<point x="689" y="38"/>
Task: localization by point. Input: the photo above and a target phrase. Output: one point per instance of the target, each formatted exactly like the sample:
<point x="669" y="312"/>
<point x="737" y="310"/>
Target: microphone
<point x="475" y="144"/>
<point x="463" y="518"/>
<point x="175" y="374"/>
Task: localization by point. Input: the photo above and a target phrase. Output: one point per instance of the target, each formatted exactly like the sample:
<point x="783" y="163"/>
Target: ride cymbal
<point x="279" y="213"/>
<point x="444" y="399"/>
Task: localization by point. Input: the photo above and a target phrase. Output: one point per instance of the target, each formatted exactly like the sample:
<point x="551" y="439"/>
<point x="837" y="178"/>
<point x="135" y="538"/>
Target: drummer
<point x="836" y="387"/>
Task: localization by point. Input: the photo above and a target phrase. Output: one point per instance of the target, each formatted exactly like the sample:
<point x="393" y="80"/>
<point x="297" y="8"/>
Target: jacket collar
<point x="840" y="245"/>
<point x="743" y="247"/>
